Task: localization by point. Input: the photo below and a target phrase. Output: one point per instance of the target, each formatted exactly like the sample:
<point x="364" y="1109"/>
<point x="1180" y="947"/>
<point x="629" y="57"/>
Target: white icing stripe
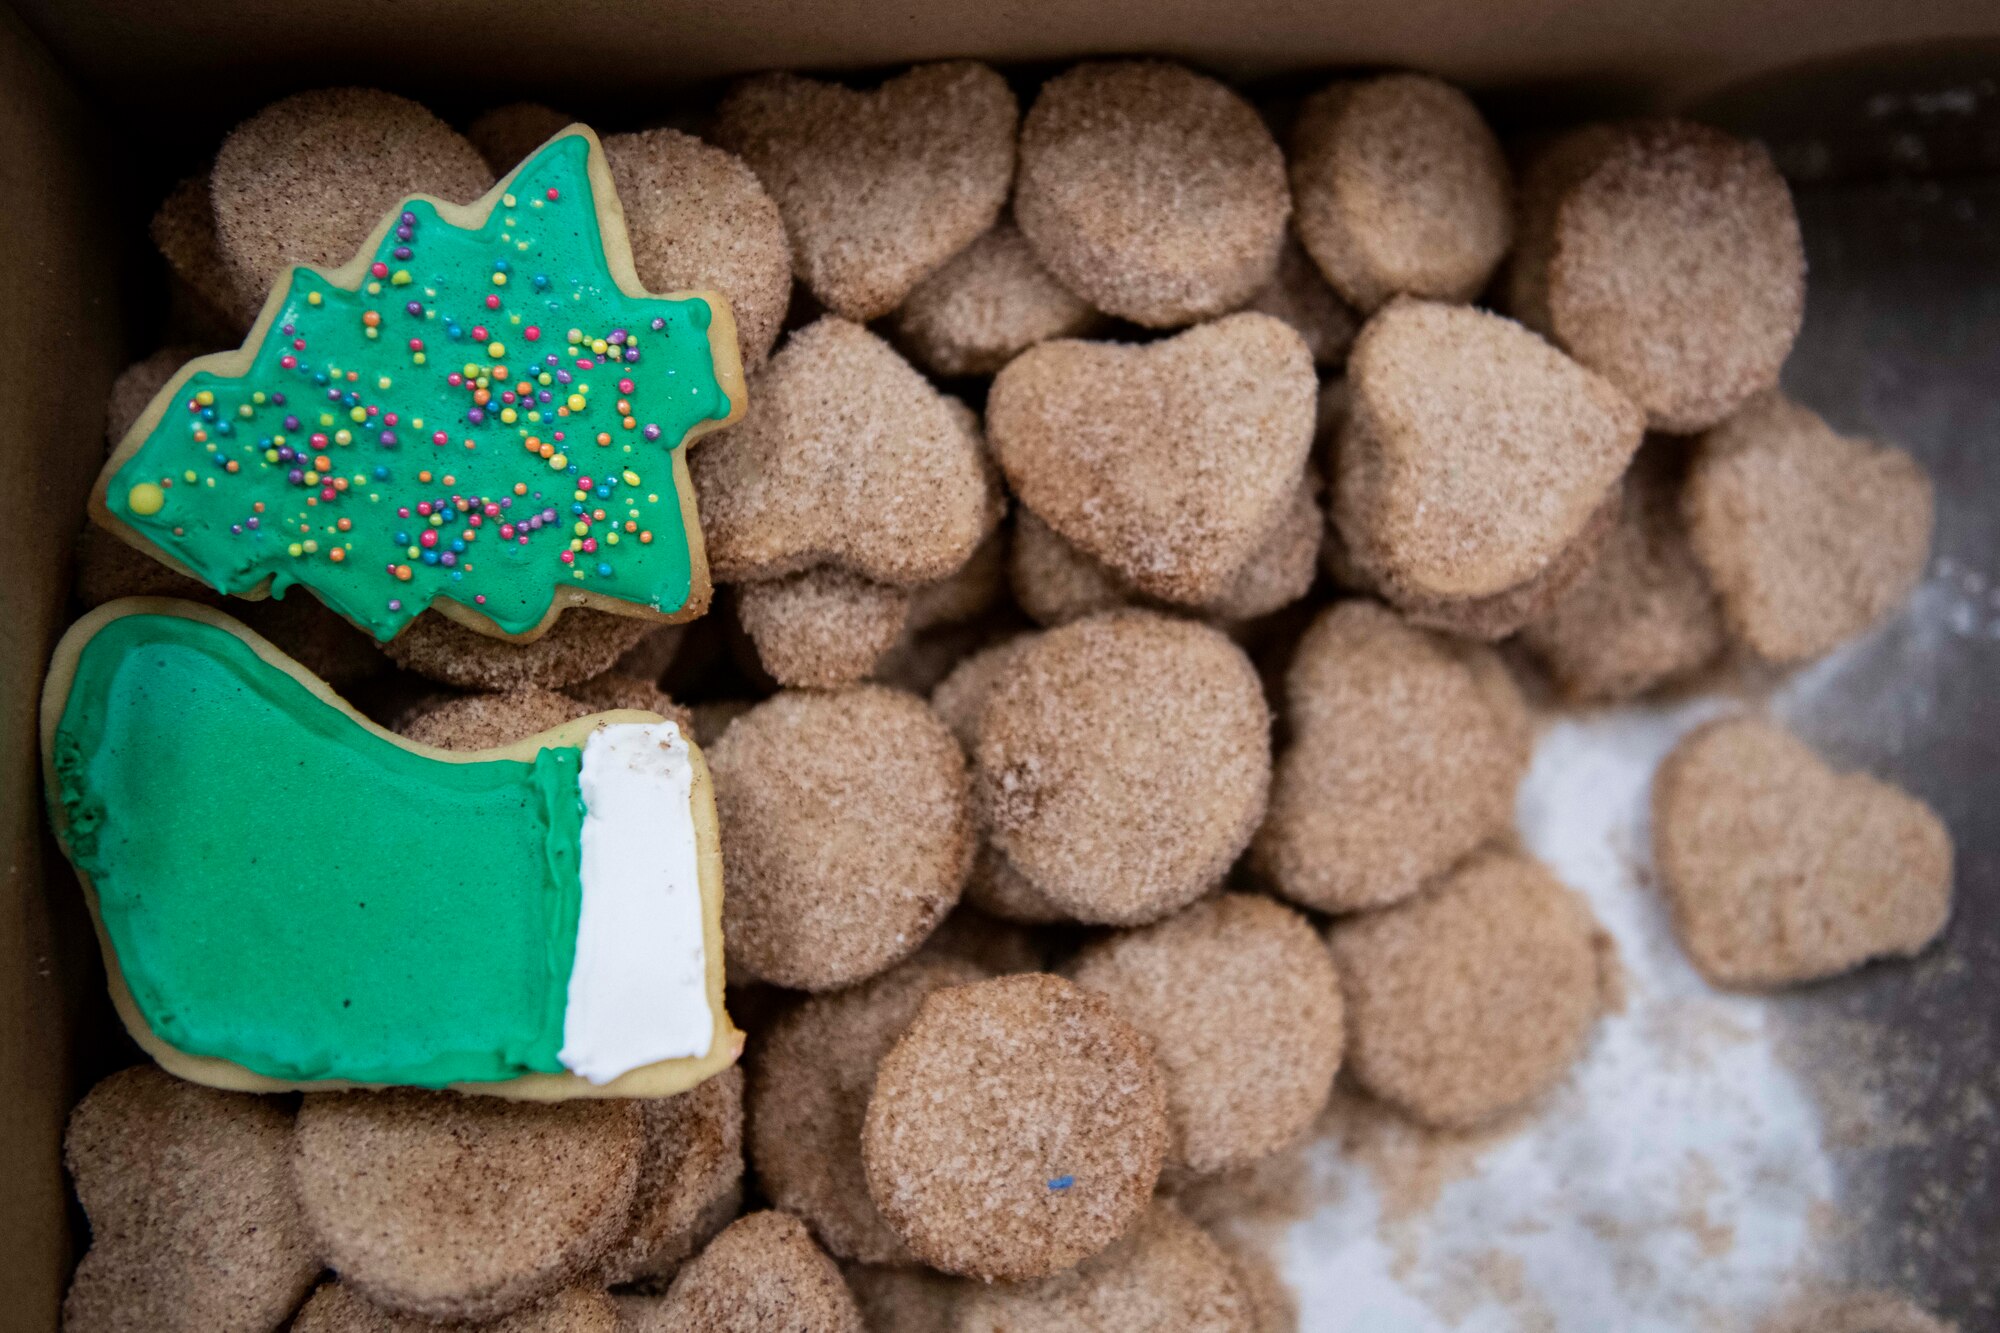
<point x="638" y="990"/>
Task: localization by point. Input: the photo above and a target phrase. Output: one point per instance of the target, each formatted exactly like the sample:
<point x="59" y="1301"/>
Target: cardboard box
<point x="91" y="90"/>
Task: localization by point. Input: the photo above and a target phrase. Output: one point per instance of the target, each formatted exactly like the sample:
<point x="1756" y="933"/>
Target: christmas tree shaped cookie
<point x="482" y="412"/>
<point x="289" y="896"/>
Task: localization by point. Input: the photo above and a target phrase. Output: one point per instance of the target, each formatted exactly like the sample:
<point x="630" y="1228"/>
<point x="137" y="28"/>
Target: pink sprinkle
<point x="428" y="538"/>
<point x="379" y="269"/>
<point x="388" y="420"/>
<point x="454" y="379"/>
<point x="554" y="193"/>
<point x="424" y="507"/>
<point x="288" y="361"/>
<point x="590" y="543"/>
<point x="624" y="386"/>
<point x="440" y="438"/>
<point x="480" y="598"/>
<point x="416" y="344"/>
<point x="532" y="333"/>
<point x="402" y="513"/>
<point x="479" y="332"/>
<point x="298" y="344"/>
<point x="492" y="302"/>
<point x="569" y="557"/>
<point x="327" y="493"/>
<point x="585" y="363"/>
<point x="506" y="532"/>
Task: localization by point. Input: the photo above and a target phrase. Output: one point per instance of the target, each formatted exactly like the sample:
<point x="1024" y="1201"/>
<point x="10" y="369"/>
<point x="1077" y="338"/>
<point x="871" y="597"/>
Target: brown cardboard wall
<point x="60" y="341"/>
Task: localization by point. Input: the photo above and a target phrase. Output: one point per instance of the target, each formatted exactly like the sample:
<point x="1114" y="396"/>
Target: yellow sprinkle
<point x="343" y="437"/>
<point x="209" y="482"/>
<point x="374" y="289"/>
<point x="419" y="358"/>
<point x="326" y="418"/>
<point x="205" y="398"/>
<point x="270" y="455"/>
<point x="577" y="402"/>
<point x="611" y="538"/>
<point x="312" y="478"/>
<point x="257" y="397"/>
<point x="496" y="350"/>
<point x="508" y="415"/>
<point x="244" y="410"/>
<point x="598" y="345"/>
<point x="576" y="335"/>
<point x="507" y="200"/>
<point x="295" y="549"/>
<point x="357" y="414"/>
<point x="189" y="475"/>
<point x="382" y="383"/>
<point x="631" y="478"/>
<point x="401" y="277"/>
<point x="499" y="279"/>
<point x="311" y="547"/>
<point x="559" y="462"/>
<point x="580" y="529"/>
<point x="312" y="298"/>
<point x="146" y="498"/>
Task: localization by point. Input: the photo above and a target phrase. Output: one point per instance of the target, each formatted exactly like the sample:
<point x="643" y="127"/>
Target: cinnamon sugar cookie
<point x="985" y="306"/>
<point x="1123" y="763"/>
<point x="762" y="1274"/>
<point x="1153" y="193"/>
<point x="1781" y="870"/>
<point x="690" y="1178"/>
<point x="1298" y="294"/>
<point x="877" y="188"/>
<point x="823" y="627"/>
<point x="507" y="134"/>
<point x="1472" y="997"/>
<point x="192" y="1222"/>
<point x="1016" y="1127"/>
<point x="338" y="1308"/>
<point x="580" y="643"/>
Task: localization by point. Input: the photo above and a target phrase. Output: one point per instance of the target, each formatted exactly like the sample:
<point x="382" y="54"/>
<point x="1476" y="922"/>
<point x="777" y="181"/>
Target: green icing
<point x="441" y="494"/>
<point x="286" y="889"/>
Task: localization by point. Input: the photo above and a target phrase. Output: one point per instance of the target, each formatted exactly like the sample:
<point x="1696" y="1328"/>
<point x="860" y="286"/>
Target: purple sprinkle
<point x="236" y="528"/>
<point x="415" y="307"/>
<point x="658" y="323"/>
<point x="395" y="604"/>
<point x="278" y="399"/>
<point x="562" y="377"/>
<point x="402" y="252"/>
<point x="545" y="396"/>
<point x="291" y="423"/>
<point x="250" y="523"/>
<point x="295" y="476"/>
<point x="333" y="395"/>
<point x="409" y="219"/>
<point x="535" y="523"/>
<point x="404" y="232"/>
<point x="548" y="516"/>
<point x="286" y="454"/>
<point x="388" y="438"/>
<point x="651" y="432"/>
<point x="617" y="336"/>
<point x="506" y="502"/>
<point x="447" y="559"/>
<point x="631" y="354"/>
<point x="476" y="415"/>
<point x="288" y="330"/>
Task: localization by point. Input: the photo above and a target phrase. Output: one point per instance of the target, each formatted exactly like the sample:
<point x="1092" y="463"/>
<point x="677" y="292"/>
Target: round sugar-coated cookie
<point x="583" y="642"/>
<point x="822" y="627"/>
<point x="1282" y="567"/>
<point x="812" y="1072"/>
<point x="1781" y="870"/>
<point x="1665" y="256"/>
<point x="1298" y="293"/>
<point x="308" y="177"/>
<point x="761" y="1274"/>
<point x="615" y="689"/>
<point x="1150" y="191"/>
<point x="699" y="220"/>
<point x="193" y="1228"/>
<point x="1170" y="462"/>
<point x="1017" y="1126"/>
<point x="136" y="387"/>
<point x="1166" y="1273"/>
<point x="690" y="1178"/>
<point x="1643" y="614"/>
<point x="1123" y="763"/>
<point x="847" y="829"/>
<point x="1401" y="189"/>
<point x="464" y="1207"/>
<point x="905" y="497"/>
<point x="1473" y="997"/>
<point x="484" y="721"/>
<point x="1238" y="996"/>
<point x="967" y="593"/>
<point x="903" y="1300"/>
<point x="506" y="134"/>
<point x="1406" y="749"/>
<point x="339" y="1308"/>
<point x="877" y="188"/>
<point x="985" y="306"/>
<point x="1472" y="452"/>
<point x="183" y="229"/>
<point x="1808" y="536"/>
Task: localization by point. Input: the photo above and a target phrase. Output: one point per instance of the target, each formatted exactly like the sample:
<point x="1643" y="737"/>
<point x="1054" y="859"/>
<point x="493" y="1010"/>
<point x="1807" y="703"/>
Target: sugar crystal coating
<point x="1153" y="193"/>
<point x="193" y="1228"/>
<point x="761" y="1274"/>
<point x="1016" y="1127"/>
<point x="1166" y="1273"/>
<point x="1666" y="256"/>
<point x="1406" y="750"/>
<point x="459" y="1207"/>
<point x="1123" y="763"/>
<point x="690" y="1178"/>
<point x="877" y="188"/>
<point x="506" y="134"/>
<point x="1780" y="870"/>
<point x="813" y="1072"/>
<point x="985" y="306"/>
<point x="1168" y="462"/>
<point x="1238" y="998"/>
<point x="847" y="829"/>
<point x="1809" y="536"/>
<point x="1401" y="189"/>
<point x="339" y="1308"/>
<point x="1472" y="997"/>
<point x="581" y="643"/>
<point x="822" y="627"/>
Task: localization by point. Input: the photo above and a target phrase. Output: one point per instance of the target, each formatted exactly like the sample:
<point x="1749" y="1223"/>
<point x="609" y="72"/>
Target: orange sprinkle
<point x="425" y="475"/>
<point x="645" y="538"/>
<point x="371" y="319"/>
<point x="336" y="555"/>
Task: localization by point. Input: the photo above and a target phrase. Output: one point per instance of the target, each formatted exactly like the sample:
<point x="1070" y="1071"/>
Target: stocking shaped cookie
<point x="289" y="896"/>
<point x="483" y="411"/>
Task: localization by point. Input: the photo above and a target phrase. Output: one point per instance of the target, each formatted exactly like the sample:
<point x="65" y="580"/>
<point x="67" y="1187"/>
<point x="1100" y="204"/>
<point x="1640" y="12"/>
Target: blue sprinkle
<point x="1061" y="1183"/>
<point x="603" y="570"/>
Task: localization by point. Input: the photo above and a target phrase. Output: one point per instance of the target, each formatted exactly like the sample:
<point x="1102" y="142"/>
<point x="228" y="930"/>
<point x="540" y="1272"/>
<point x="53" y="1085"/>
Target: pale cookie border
<point x="661" y="1079"/>
<point x="728" y="369"/>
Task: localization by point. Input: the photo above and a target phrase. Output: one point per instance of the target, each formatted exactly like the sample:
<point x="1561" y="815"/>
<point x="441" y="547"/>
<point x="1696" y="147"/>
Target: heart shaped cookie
<point x="1780" y="869"/>
<point x="1168" y="462"/>
<point x="1809" y="537"/>
<point x="846" y="457"/>
<point x="877" y="188"/>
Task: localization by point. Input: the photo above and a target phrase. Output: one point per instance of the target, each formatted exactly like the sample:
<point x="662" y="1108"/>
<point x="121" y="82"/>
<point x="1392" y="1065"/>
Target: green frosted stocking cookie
<point x="483" y="412"/>
<point x="289" y="896"/>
